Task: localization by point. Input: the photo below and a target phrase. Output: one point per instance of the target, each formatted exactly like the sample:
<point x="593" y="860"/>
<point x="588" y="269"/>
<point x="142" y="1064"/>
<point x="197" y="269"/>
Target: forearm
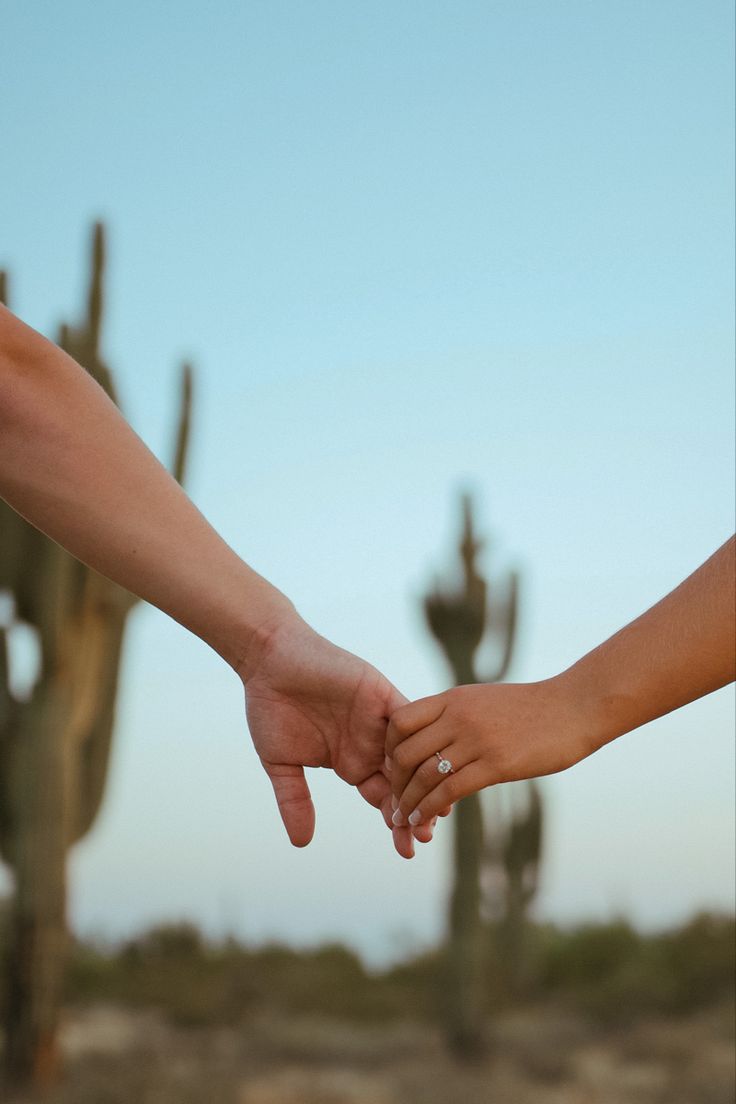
<point x="679" y="650"/>
<point x="73" y="467"/>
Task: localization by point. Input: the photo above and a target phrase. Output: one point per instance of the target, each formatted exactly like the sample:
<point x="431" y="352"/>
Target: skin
<point x="681" y="649"/>
<point x="74" y="468"/>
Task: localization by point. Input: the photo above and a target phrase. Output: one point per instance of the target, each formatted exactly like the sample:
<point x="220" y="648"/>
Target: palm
<point x="344" y="731"/>
<point x="310" y="704"/>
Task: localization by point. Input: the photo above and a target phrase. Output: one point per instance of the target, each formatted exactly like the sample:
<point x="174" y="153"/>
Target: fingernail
<point x="388" y="764"/>
<point x="398" y="819"/>
<point x="415" y="818"/>
<point x="394" y="803"/>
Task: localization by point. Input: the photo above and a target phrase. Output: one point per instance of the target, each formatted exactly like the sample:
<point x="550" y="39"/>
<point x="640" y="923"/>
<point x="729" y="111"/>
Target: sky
<point x="410" y="248"/>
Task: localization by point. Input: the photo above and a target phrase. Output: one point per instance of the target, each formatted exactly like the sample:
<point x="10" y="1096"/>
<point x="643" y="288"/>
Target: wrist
<point x="601" y="709"/>
<point x="266" y="613"/>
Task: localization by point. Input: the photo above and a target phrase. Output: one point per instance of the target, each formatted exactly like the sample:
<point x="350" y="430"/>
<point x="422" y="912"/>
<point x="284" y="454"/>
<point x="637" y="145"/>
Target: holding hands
<point x="72" y="466"/>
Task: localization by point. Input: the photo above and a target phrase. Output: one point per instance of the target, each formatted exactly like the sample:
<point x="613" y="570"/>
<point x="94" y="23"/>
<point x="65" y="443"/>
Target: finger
<point x="469" y="780"/>
<point x="423" y="833"/>
<point x="403" y="837"/>
<point x="410" y="718"/>
<point x="415" y="749"/>
<point x="386" y="812"/>
<point x="294" y="801"/>
<point x="428" y="777"/>
<point x="404" y="842"/>
<point x="384" y="804"/>
<point x="395" y="700"/>
<point x="375" y="790"/>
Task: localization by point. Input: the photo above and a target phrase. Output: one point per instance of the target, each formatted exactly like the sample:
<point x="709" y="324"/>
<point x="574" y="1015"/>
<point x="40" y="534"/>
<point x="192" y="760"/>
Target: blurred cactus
<point x="512" y="859"/>
<point x="55" y="740"/>
<point x="461" y="620"/>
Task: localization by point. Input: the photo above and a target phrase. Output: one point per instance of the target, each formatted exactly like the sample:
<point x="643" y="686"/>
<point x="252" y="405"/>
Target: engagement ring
<point x="444" y="766"/>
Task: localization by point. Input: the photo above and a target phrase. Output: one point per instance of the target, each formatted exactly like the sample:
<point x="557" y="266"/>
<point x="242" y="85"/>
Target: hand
<point x="489" y="733"/>
<point x="311" y="704"/>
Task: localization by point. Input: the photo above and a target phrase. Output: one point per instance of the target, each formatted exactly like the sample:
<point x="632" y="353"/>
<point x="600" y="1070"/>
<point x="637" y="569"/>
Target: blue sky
<point x="410" y="247"/>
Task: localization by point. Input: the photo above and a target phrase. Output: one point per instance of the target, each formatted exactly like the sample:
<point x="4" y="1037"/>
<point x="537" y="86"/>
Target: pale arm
<point x="73" y="467"/>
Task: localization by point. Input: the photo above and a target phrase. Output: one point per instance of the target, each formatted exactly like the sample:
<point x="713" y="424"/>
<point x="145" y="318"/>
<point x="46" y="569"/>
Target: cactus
<point x="511" y="864"/>
<point x="461" y="620"/>
<point x="55" y="742"/>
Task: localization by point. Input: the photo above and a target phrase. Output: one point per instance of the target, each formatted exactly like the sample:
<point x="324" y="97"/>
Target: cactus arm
<point x="11" y="524"/>
<point x="8" y="710"/>
<point x="506" y="627"/>
<point x="95" y="293"/>
<point x="12" y="535"/>
<point x="94" y="748"/>
<point x="534" y="841"/>
<point x="181" y="449"/>
<point x="6" y="700"/>
<point x="82" y="343"/>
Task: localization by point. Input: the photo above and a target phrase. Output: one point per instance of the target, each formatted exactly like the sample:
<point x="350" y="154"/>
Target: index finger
<point x="410" y="718"/>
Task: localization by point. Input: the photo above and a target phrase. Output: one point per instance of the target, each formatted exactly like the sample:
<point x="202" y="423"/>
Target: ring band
<point x="444" y="766"/>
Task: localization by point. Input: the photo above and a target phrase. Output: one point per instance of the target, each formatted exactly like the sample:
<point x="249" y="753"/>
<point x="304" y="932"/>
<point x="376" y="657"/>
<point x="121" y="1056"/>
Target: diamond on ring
<point x="444" y="766"/>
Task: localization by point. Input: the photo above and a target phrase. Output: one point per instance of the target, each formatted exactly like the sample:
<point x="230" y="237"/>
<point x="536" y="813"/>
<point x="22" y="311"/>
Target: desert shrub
<point x="586" y="955"/>
<point x="195" y="983"/>
<point x="612" y="972"/>
<point x="609" y="971"/>
<point x="699" y="958"/>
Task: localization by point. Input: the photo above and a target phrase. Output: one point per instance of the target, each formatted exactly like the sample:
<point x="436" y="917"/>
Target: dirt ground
<point x="115" y="1056"/>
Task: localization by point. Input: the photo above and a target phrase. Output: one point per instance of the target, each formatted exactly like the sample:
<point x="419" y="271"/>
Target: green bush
<point x="607" y="970"/>
<point x="612" y="971"/>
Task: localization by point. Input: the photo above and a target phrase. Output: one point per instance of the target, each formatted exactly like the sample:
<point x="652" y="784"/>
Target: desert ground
<point x="541" y="1055"/>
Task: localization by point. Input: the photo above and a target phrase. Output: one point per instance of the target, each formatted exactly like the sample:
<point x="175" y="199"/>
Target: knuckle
<point x="452" y="789"/>
<point x="401" y="722"/>
<point x="456" y="700"/>
<point x="501" y="768"/>
<point x="427" y="772"/>
<point x="402" y="757"/>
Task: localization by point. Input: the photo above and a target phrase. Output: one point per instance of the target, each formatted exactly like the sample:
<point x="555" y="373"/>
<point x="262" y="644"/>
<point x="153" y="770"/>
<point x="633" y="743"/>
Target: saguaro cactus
<point x="520" y="842"/>
<point x="461" y="619"/>
<point x="55" y="741"/>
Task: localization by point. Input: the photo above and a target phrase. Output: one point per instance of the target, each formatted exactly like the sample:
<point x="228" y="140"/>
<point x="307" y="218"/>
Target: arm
<point x="681" y="649"/>
<point x="73" y="467"/>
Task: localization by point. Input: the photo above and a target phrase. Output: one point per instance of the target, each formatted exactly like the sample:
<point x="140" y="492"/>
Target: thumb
<point x="394" y="700"/>
<point x="294" y="801"/>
